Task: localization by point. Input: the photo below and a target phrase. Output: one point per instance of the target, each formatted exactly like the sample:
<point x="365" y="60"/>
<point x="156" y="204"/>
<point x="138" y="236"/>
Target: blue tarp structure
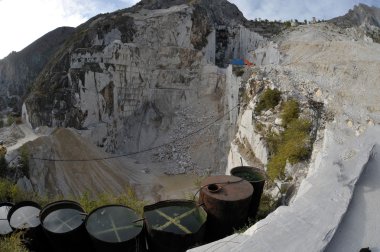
<point x="237" y="62"/>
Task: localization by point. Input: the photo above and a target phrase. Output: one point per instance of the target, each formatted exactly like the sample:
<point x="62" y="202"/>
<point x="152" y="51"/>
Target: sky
<point x="24" y="21"/>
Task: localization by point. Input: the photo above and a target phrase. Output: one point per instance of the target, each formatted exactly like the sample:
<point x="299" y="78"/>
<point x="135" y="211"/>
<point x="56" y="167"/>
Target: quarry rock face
<point x="362" y="20"/>
<point x="145" y="76"/>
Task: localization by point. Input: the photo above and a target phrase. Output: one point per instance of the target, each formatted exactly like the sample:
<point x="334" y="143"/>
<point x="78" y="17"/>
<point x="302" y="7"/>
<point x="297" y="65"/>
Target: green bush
<point x="12" y="243"/>
<point x="290" y="111"/>
<point x="273" y="141"/>
<point x="267" y="205"/>
<point x="292" y="145"/>
<point x="298" y="129"/>
<point x="276" y="166"/>
<point x="128" y="199"/>
<point x="11" y="192"/>
<point x="268" y="100"/>
<point x="260" y="127"/>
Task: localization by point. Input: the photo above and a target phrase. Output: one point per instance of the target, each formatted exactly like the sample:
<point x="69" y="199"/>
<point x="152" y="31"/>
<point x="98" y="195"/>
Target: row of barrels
<point x="225" y="203"/>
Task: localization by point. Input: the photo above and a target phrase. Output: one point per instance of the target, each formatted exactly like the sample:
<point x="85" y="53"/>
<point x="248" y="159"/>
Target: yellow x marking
<point x="175" y="221"/>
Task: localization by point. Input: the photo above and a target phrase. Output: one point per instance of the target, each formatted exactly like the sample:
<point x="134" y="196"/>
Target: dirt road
<point x="29" y="136"/>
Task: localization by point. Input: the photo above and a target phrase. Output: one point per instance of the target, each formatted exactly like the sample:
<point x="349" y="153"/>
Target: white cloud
<point x="23" y="21"/>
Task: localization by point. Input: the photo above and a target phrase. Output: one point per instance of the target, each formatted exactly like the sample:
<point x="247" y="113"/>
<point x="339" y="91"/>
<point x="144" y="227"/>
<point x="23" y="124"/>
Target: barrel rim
<point x="53" y="206"/>
<point x="59" y="203"/>
<point x="6" y="203"/>
<point x="225" y="181"/>
<point x="18" y="206"/>
<point x="165" y="203"/>
<point x="250" y="168"/>
<point x="10" y="204"/>
<point x="112" y="205"/>
<point x="168" y="202"/>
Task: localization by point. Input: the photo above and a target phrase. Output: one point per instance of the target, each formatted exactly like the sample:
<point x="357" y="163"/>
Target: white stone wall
<point x="209" y="50"/>
<point x="267" y="55"/>
<point x="246" y="130"/>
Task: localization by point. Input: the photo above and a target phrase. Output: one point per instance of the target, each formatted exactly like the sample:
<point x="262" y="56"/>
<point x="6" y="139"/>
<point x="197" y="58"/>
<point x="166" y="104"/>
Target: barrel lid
<point x="24" y="215"/>
<point x="114" y="224"/>
<point x="249" y="173"/>
<point x="5" y="228"/>
<point x="62" y="216"/>
<point x="175" y="216"/>
<point x="226" y="188"/>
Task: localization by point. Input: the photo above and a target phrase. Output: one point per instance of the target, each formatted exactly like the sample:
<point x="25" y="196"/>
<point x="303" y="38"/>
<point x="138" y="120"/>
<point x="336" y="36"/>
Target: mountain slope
<point x="19" y="69"/>
<point x="359" y="15"/>
<point x="363" y="19"/>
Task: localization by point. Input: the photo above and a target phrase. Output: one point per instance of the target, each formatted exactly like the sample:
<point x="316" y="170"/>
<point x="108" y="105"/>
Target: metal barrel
<point x="226" y="200"/>
<point x="63" y="223"/>
<point x="257" y="178"/>
<point x="115" y="228"/>
<point x="24" y="216"/>
<point x="174" y="225"/>
<point x="5" y="228"/>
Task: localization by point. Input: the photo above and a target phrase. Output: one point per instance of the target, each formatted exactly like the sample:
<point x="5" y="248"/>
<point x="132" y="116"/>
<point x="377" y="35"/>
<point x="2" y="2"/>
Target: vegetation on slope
<point x="292" y="145"/>
<point x="268" y="100"/>
<point x="12" y="244"/>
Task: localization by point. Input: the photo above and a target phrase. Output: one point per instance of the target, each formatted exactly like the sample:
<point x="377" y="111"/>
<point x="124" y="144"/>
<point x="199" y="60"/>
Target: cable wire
<point x="142" y="151"/>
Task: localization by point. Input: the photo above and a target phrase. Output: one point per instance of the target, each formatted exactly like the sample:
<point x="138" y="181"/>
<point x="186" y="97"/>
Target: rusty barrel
<point x="226" y="200"/>
<point x="256" y="177"/>
<point x="5" y="228"/>
<point x="115" y="228"/>
<point x="63" y="223"/>
<point x="174" y="225"/>
<point x="24" y="216"/>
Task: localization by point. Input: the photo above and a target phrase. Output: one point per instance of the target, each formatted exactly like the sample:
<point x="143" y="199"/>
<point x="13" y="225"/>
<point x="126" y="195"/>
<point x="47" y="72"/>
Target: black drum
<point x="174" y="225"/>
<point x="63" y="223"/>
<point x="5" y="228"/>
<point x="24" y="216"/>
<point x="115" y="228"/>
